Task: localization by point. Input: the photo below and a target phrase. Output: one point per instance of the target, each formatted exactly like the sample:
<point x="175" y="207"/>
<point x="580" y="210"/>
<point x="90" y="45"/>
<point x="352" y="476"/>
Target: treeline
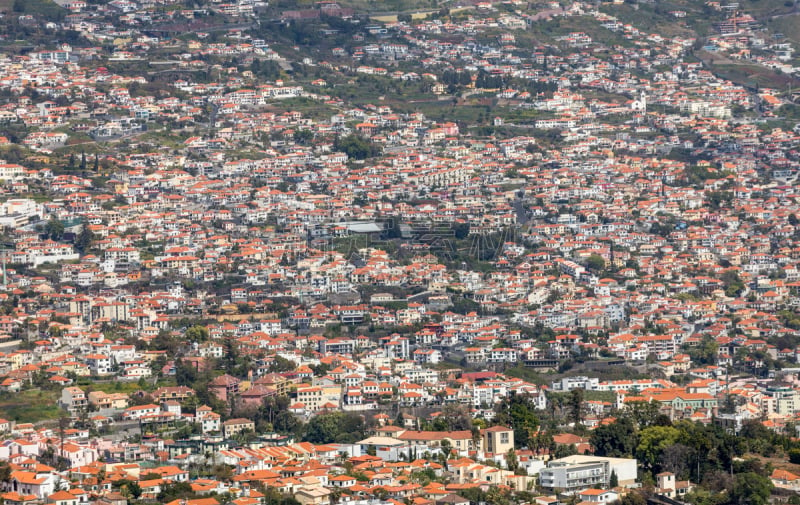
<point x="460" y="78"/>
<point x="725" y="468"/>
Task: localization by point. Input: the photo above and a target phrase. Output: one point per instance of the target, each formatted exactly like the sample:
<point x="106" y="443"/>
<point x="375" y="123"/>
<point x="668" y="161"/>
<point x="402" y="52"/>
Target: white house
<point x="140" y="411"/>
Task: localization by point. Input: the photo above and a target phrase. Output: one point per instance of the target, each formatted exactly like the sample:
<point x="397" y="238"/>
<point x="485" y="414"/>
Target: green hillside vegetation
<point x="43" y="8"/>
<point x="657" y="18"/>
<point x="789" y="26"/>
<point x="30" y="406"/>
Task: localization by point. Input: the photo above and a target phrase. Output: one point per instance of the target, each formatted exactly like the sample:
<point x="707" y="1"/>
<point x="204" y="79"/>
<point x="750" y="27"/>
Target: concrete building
<point x="579" y="472"/>
<point x="497" y="440"/>
<point x="233" y="427"/>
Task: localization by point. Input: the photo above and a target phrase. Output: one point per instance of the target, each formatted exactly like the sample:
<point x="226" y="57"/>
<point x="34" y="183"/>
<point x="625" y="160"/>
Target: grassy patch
<point x="44" y="8"/>
<point x="789" y="26"/>
<point x="126" y="387"/>
<point x="387" y="6"/>
<point x="30" y="406"/>
<point x="363" y="89"/>
<point x="530" y="375"/>
<point x="754" y="75"/>
<point x="313" y="109"/>
<point x="589" y="369"/>
<point x="657" y="18"/>
<point x="778" y="461"/>
<point x="446" y="110"/>
<point x="789" y="112"/>
<point x="392" y="18"/>
<point x="548" y="31"/>
<point x="764" y="8"/>
<point x="419" y="14"/>
<point x="37" y="197"/>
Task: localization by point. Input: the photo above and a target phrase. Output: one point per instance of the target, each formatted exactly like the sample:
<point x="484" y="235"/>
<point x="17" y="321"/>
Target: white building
<point x="577" y="473"/>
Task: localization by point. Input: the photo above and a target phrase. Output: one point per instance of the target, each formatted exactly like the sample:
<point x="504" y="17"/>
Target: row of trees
<point x="356" y="147"/>
<point x="273" y="414"/>
<point x="54" y="230"/>
<point x="726" y="467"/>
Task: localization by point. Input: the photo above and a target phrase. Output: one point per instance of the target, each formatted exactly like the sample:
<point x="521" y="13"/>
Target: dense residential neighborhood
<point x="408" y="253"/>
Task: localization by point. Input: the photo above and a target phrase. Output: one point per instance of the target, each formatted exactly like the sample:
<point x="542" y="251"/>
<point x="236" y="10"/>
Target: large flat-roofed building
<point x="579" y="472"/>
<point x="570" y="478"/>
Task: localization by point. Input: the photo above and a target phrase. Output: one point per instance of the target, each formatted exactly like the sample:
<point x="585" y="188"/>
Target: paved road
<point x="519" y="208"/>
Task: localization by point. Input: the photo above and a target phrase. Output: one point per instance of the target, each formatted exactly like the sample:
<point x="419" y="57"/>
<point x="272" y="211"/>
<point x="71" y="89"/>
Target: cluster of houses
<point x="615" y="203"/>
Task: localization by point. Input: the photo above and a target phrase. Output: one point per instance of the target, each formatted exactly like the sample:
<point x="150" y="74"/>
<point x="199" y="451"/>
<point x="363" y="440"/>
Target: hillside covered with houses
<point x="420" y="253"/>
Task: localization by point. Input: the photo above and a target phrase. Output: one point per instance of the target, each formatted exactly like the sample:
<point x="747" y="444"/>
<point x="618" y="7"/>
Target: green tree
<point x="750" y="488"/>
<point x="335" y="427"/>
<point x="164" y="341"/>
<point x="286" y="422"/>
<point x="185" y="373"/>
<point x="84" y="239"/>
<point x="453" y="418"/>
<point x="633" y="498"/>
<point x="356" y="147"/>
<point x="134" y="489"/>
<point x="54" y="228"/>
<point x="175" y="491"/>
<point x="272" y="407"/>
<point x="676" y="459"/>
<point x="652" y="442"/>
<point x="519" y="413"/>
<point x="474" y="494"/>
<point x="446" y="448"/>
<point x="512" y="462"/>
<point x="564" y="450"/>
<point x="281" y="364"/>
<point x="461" y="230"/>
<point x="643" y="414"/>
<point x="230" y="359"/>
<point x="197" y="333"/>
<point x="575" y="404"/>
<point x="732" y="282"/>
<point x="595" y="262"/>
<point x="705" y="353"/>
<point x="303" y="135"/>
<point x="617" y="439"/>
